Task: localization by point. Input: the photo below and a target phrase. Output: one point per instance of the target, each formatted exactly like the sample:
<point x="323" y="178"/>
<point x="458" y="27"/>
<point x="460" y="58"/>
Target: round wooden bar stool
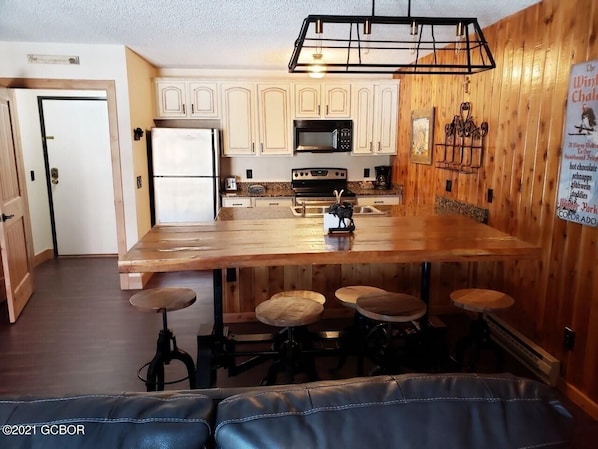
<point x="388" y="309"/>
<point x="289" y="312"/>
<point x="307" y="294"/>
<point x="348" y="295"/>
<point x="352" y="338"/>
<point x="481" y="301"/>
<point x="163" y="300"/>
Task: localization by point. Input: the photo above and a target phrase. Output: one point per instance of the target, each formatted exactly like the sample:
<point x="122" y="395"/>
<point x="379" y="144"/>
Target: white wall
<point x="33" y="160"/>
<point x="97" y="62"/>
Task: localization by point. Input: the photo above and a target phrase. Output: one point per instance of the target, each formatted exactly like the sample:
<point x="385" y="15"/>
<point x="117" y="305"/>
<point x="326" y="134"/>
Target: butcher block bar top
<point x="405" y="235"/>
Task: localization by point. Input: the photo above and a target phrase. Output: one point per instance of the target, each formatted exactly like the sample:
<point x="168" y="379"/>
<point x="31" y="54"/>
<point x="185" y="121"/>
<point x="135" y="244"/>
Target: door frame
<point x="109" y="87"/>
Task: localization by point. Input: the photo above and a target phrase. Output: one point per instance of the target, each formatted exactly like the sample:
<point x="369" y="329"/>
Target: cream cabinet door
<point x="307" y="100"/>
<point x="375" y="118"/>
<point x="386" y="107"/>
<point x="203" y="99"/>
<point x="186" y="99"/>
<point x="337" y="101"/>
<point x="274" y="202"/>
<point x="314" y="100"/>
<point x="363" y="118"/>
<point x="171" y="97"/>
<point x="238" y="119"/>
<point x="231" y="201"/>
<point x="367" y="200"/>
<point x="274" y="118"/>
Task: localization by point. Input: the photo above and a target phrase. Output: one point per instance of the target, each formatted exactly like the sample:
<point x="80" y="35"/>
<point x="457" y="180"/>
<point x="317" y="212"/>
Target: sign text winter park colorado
<point x="578" y="187"/>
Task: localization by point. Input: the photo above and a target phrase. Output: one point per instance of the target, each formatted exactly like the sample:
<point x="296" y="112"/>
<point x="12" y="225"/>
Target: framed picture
<point x="422" y="139"/>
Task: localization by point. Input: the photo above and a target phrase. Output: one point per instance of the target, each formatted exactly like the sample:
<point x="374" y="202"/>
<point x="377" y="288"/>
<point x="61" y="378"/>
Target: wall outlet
<point x="568" y="339"/>
<point x="249" y="173"/>
<point x="366" y="172"/>
<point x="490" y="195"/>
<point x="449" y="185"/>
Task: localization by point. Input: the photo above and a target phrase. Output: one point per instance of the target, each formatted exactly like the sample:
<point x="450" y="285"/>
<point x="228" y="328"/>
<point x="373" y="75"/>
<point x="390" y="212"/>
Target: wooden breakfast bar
<point x="405" y="236"/>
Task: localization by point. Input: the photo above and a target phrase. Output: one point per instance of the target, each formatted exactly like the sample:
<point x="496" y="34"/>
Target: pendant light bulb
<point x="413" y="32"/>
<point x="460" y="34"/>
<point x="367" y="32"/>
<point x="317" y="69"/>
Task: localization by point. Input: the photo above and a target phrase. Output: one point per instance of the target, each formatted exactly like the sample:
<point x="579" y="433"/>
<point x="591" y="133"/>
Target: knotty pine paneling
<point x="524" y="101"/>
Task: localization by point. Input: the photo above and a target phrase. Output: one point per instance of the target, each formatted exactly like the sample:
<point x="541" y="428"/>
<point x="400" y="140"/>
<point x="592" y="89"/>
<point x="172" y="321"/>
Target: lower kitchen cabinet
<point x="236" y="201"/>
<point x="371" y="200"/>
<point x="274" y="202"/>
<point x="266" y="201"/>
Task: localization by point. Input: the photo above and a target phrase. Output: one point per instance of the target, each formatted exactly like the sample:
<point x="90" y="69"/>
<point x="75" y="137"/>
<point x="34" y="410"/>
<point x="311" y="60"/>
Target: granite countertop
<point x="283" y="189"/>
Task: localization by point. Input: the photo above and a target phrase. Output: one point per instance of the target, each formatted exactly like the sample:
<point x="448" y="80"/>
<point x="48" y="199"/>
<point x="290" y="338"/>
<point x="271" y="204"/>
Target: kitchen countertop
<point x="272" y="213"/>
<point x="283" y="189"/>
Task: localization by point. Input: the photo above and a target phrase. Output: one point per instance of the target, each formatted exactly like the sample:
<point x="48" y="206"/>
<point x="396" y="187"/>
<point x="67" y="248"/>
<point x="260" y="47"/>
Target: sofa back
<point x="128" y="421"/>
<point x="406" y="411"/>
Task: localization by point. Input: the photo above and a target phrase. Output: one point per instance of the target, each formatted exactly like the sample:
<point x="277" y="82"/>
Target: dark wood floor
<point x="78" y="334"/>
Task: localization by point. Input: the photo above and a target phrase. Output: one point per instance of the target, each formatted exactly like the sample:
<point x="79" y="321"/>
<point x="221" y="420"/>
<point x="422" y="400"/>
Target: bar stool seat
<point x="388" y="309"/>
<point x="290" y="312"/>
<point x="307" y="294"/>
<point x="348" y="295"/>
<point x="163" y="300"/>
<point x="481" y="301"/>
<point x="391" y="307"/>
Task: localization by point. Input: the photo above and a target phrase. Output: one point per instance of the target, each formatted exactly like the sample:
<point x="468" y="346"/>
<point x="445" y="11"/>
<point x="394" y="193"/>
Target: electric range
<point x="317" y="185"/>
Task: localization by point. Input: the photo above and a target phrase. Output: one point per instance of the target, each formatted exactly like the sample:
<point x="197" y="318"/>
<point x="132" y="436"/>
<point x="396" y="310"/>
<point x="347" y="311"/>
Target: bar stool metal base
<point x="166" y="351"/>
<point x="478" y="339"/>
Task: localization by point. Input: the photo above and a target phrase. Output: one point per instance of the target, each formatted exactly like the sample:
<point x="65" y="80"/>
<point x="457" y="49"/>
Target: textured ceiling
<point x="210" y="34"/>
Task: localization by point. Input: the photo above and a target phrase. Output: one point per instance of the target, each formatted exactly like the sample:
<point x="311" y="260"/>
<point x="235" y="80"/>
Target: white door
<point x="77" y="141"/>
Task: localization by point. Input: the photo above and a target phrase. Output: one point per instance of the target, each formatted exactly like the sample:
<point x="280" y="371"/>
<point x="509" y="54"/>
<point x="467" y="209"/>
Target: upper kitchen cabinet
<point x="238" y="118"/>
<point x="186" y="99"/>
<point x="256" y="119"/>
<point x="313" y="100"/>
<point x="375" y="116"/>
<point x="274" y="119"/>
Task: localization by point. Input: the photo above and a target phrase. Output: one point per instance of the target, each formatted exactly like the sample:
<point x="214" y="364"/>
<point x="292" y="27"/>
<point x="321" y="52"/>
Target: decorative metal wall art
<point x="463" y="146"/>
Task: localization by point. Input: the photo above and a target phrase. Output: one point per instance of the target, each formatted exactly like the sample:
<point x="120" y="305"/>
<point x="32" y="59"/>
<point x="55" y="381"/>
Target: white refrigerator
<point x="184" y="172"/>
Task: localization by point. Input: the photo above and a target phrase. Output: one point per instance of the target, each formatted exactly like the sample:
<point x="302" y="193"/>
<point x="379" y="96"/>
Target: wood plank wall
<point x="523" y="100"/>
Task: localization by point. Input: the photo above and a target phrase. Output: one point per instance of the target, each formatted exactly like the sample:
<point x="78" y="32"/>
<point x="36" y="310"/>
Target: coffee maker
<point x="382" y="177"/>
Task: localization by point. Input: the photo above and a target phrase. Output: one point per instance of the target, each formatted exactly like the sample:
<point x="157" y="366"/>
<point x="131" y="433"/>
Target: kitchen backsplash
<point x="283" y="189"/>
<point x="278" y="168"/>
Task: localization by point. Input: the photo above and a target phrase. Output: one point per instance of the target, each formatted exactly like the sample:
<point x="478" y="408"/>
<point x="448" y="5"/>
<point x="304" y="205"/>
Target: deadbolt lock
<point x="54" y="175"/>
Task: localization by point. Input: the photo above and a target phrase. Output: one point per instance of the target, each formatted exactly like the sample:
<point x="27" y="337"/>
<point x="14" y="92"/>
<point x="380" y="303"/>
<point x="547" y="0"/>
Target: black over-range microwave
<point x="323" y="136"/>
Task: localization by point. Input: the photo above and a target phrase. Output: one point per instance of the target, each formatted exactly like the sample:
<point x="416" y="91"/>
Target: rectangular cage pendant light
<point x="379" y="44"/>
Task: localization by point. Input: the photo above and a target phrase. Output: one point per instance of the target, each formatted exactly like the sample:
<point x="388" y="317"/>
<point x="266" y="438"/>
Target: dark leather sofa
<point x="405" y="411"/>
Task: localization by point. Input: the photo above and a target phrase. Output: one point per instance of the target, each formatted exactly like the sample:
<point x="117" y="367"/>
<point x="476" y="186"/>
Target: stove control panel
<point x="318" y="174"/>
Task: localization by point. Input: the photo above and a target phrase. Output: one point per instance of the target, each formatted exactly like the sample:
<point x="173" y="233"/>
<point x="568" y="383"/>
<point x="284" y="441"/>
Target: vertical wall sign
<point x="578" y="184"/>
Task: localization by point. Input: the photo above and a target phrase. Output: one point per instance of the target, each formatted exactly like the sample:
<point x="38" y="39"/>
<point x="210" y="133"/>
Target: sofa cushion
<point x="406" y="411"/>
<point x="137" y="420"/>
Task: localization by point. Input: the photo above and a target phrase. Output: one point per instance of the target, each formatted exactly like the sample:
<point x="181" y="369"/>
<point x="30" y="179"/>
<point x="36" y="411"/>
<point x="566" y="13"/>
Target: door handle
<point x="6" y="217"/>
<point x="54" y="175"/>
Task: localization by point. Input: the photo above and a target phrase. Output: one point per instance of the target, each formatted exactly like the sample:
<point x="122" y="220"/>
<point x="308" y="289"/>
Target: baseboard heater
<point x="541" y="363"/>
